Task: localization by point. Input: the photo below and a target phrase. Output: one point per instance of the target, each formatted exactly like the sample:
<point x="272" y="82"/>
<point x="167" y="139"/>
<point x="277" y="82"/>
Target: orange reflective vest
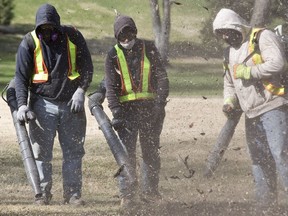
<point x="129" y="90"/>
<point x="257" y="59"/>
<point x="40" y="69"/>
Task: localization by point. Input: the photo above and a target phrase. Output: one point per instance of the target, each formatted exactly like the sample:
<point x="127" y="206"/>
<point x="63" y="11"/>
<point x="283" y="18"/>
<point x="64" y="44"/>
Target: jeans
<point x="268" y="147"/>
<point x="52" y="117"/>
<point x="142" y="123"/>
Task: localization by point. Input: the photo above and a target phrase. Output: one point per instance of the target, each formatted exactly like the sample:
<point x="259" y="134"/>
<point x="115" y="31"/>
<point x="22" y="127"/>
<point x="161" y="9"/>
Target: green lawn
<point x="95" y="20"/>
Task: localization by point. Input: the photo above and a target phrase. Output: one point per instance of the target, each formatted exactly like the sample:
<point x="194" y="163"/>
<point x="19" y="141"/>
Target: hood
<point x="47" y="14"/>
<point x="228" y="19"/>
<point x="121" y="22"/>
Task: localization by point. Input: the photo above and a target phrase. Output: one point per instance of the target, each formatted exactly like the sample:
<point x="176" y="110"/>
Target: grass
<point x="189" y="75"/>
<point x="95" y="20"/>
<point x="195" y="77"/>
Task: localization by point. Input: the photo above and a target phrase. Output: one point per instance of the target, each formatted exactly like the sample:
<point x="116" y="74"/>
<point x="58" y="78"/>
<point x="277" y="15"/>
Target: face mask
<point x="128" y="45"/>
<point x="48" y="34"/>
<point x="232" y="37"/>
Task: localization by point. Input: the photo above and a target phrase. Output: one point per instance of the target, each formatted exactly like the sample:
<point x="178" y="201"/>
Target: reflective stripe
<point x="41" y="73"/>
<point x="129" y="91"/>
<point x="136" y="96"/>
<point x="274" y="90"/>
<point x="257" y="59"/>
<point x="73" y="73"/>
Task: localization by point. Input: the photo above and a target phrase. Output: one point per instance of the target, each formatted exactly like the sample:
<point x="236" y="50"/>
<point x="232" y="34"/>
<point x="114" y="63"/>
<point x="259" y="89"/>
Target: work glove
<point x="229" y="107"/>
<point x="118" y="122"/>
<point x="24" y="114"/>
<point x="241" y="71"/>
<point x="77" y="101"/>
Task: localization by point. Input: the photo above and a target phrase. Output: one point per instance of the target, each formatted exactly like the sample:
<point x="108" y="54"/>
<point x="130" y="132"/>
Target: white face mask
<point x="128" y="45"/>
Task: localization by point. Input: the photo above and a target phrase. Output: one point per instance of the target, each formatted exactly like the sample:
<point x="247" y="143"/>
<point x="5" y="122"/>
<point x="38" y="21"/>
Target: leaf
<point x="174" y="2"/>
<point x="119" y="171"/>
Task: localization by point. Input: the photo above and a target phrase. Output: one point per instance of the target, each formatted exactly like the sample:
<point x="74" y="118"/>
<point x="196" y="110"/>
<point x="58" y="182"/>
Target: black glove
<point x="118" y="122"/>
<point x="158" y="110"/>
<point x="231" y="107"/>
<point x="230" y="112"/>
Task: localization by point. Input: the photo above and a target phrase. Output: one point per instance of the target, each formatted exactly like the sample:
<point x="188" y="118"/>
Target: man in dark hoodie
<point x="137" y="87"/>
<point x="53" y="71"/>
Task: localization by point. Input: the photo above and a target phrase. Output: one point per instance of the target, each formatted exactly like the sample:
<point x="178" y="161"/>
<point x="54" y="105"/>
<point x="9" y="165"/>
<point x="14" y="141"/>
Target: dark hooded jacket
<point x="58" y="87"/>
<point x="158" y="80"/>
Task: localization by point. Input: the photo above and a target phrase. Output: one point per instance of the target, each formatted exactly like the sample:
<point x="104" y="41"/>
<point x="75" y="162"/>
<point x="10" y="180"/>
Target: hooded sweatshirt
<point x="253" y="98"/>
<point x="158" y="79"/>
<point x="58" y="87"/>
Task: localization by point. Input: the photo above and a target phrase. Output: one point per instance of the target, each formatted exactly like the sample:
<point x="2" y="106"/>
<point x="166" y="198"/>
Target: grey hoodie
<point x="254" y="99"/>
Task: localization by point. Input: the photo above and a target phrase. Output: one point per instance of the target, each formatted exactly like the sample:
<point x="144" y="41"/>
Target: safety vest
<point x="257" y="59"/>
<point x="40" y="69"/>
<point x="129" y="90"/>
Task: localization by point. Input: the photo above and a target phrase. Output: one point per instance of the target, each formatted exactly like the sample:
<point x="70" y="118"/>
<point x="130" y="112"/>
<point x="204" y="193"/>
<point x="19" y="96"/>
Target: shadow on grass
<point x="204" y="209"/>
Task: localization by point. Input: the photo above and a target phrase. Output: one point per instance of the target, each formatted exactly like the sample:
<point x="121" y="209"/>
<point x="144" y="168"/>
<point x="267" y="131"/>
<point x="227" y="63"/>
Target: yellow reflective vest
<point x="40" y="69"/>
<point x="257" y="59"/>
<point x="130" y="91"/>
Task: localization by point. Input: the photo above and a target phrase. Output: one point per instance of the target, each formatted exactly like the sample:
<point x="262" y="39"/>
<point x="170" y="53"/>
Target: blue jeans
<point x="52" y="117"/>
<point x="268" y="147"/>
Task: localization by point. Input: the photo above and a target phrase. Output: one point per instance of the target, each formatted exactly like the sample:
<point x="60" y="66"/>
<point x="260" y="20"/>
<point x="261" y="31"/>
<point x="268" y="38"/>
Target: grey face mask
<point x="128" y="45"/>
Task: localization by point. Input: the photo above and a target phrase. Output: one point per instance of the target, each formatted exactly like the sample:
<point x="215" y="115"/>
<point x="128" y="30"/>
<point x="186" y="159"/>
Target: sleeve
<point x="229" y="92"/>
<point x="84" y="60"/>
<point x="273" y="56"/>
<point x="23" y="71"/>
<point x="112" y="81"/>
<point x="159" y="79"/>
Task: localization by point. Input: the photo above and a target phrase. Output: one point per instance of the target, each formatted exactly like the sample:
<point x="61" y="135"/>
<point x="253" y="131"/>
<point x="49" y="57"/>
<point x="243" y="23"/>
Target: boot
<point x="152" y="198"/>
<point x="74" y="201"/>
<point x="44" y="199"/>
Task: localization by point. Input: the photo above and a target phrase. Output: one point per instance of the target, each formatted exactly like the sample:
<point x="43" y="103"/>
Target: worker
<point x="255" y="63"/>
<point x="53" y="72"/>
<point x="137" y="88"/>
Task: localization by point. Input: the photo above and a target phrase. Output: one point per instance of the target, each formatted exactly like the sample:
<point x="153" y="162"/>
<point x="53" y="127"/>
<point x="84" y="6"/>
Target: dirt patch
<point x="190" y="130"/>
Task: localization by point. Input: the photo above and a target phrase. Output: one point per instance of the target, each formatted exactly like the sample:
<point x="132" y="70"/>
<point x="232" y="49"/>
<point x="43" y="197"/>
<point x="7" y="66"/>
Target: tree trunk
<point x="161" y="29"/>
<point x="260" y="13"/>
<point x="156" y="20"/>
<point x="165" y="34"/>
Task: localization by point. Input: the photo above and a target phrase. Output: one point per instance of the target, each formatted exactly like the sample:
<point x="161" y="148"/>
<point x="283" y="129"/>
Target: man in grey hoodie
<point x="53" y="71"/>
<point x="255" y="62"/>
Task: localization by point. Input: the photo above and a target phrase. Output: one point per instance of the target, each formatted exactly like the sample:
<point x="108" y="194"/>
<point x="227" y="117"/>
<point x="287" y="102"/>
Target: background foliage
<point x="6" y="11"/>
<point x="277" y="14"/>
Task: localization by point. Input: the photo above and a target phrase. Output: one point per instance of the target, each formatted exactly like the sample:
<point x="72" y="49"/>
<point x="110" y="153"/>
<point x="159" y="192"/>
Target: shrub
<point x="6" y="11"/>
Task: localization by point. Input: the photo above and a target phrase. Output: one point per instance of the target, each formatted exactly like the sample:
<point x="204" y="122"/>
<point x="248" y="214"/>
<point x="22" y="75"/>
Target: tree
<point x="161" y="29"/>
<point x="6" y="11"/>
<point x="259" y="12"/>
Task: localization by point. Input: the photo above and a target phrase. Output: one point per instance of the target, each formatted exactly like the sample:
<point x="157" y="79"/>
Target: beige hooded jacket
<point x="253" y="98"/>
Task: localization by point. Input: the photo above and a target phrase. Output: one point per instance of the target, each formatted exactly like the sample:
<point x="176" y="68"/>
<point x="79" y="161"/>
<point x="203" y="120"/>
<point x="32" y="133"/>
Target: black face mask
<point x="230" y="36"/>
<point x="48" y="34"/>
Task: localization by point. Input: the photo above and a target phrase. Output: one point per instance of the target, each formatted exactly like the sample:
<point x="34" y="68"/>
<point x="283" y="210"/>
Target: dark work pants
<point x="142" y="122"/>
